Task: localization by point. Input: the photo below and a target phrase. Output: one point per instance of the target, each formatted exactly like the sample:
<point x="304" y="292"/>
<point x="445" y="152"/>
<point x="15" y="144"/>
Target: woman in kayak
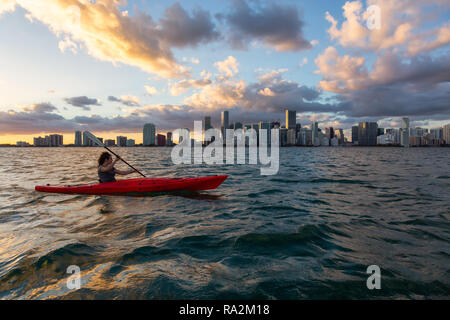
<point x="106" y="170"/>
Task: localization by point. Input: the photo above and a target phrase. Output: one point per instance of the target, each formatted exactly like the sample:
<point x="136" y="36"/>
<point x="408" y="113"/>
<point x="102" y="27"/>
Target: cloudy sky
<point x="109" y="66"/>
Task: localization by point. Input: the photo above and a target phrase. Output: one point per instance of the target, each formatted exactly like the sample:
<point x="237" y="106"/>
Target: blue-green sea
<point x="309" y="232"/>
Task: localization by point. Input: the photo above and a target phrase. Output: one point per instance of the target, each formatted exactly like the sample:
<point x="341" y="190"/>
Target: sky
<point x="110" y="66"/>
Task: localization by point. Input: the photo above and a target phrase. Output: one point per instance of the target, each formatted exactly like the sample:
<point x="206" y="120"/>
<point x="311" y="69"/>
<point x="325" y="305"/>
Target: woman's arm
<point x="124" y="173"/>
<point x="110" y="166"/>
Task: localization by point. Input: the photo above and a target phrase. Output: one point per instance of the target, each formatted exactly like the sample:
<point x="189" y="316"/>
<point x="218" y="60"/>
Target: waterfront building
<point x="266" y="126"/>
<point x="291" y="119"/>
<point x="339" y="134"/>
<point x="237" y="125"/>
<point x="22" y="144"/>
<point x="86" y="141"/>
<point x="131" y="142"/>
<point x="446" y="133"/>
<point x="225" y="124"/>
<point x="355" y="134"/>
<point x="437" y="133"/>
<point x="110" y="143"/>
<point x="404" y="133"/>
<point x="367" y="133"/>
<point x="169" y="141"/>
<point x="149" y="134"/>
<point x="315" y="133"/>
<point x="387" y="138"/>
<point x="207" y="125"/>
<point x="329" y="132"/>
<point x="161" y="140"/>
<point x="78" y="139"/>
<point x="334" y="142"/>
<point x="291" y="137"/>
<point x="121" y="141"/>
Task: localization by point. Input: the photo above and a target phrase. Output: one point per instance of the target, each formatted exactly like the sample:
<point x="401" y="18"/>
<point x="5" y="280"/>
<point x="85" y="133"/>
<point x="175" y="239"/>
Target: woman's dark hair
<point x="103" y="157"/>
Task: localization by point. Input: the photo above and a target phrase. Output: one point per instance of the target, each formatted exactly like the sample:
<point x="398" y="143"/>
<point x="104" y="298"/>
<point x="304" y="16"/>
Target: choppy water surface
<point x="309" y="232"/>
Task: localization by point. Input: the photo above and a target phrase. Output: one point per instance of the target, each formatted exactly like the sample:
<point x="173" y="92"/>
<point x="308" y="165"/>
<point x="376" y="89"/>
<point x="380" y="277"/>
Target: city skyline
<point x="291" y="134"/>
<point x="322" y="61"/>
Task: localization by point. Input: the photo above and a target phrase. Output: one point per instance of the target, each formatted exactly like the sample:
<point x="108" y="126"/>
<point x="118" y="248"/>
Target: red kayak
<point x="139" y="185"/>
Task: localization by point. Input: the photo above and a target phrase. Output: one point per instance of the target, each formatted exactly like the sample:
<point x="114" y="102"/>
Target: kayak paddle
<point x="98" y="142"/>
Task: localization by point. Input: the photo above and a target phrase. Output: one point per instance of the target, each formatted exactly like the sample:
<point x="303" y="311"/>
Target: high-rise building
<point x="131" y="142"/>
<point x="149" y="134"/>
<point x="367" y="133"/>
<point x="265" y="126"/>
<point x="86" y="141"/>
<point x="291" y="137"/>
<point x="404" y="133"/>
<point x="169" y="141"/>
<point x="355" y="134"/>
<point x="329" y="132"/>
<point x="315" y="133"/>
<point x="291" y="119"/>
<point x="78" y="139"/>
<point x="339" y="134"/>
<point x="225" y="123"/>
<point x="380" y="131"/>
<point x="437" y="133"/>
<point x="121" y="141"/>
<point x="110" y="143"/>
<point x="207" y="124"/>
<point x="446" y="133"/>
<point x="161" y="140"/>
<point x="237" y="125"/>
<point x="56" y="140"/>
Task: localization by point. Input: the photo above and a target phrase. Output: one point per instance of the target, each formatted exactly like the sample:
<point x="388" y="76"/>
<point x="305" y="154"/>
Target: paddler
<point x="106" y="170"/>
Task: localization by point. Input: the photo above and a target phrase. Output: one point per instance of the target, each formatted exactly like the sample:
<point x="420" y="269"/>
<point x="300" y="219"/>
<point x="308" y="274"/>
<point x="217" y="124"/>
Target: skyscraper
<point x="355" y="134"/>
<point x="86" y="141"/>
<point x="78" y="140"/>
<point x="121" y="141"/>
<point x="149" y="134"/>
<point x="207" y="124"/>
<point x="446" y="133"/>
<point x="315" y="133"/>
<point x="291" y="119"/>
<point x="404" y="134"/>
<point x="367" y="133"/>
<point x="225" y="123"/>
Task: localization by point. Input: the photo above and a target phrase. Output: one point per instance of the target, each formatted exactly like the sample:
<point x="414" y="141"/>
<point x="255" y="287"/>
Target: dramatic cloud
<point x="345" y="73"/>
<point x="82" y="102"/>
<point x="179" y="29"/>
<point x="403" y="25"/>
<point x="276" y="25"/>
<point x="111" y="35"/>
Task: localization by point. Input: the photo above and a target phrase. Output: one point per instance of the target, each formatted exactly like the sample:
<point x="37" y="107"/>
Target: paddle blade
<point x="94" y="139"/>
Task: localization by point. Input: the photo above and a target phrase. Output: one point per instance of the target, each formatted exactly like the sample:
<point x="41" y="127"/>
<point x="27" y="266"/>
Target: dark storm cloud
<point x="397" y="100"/>
<point x="276" y="25"/>
<point x="179" y="29"/>
<point x="82" y="102"/>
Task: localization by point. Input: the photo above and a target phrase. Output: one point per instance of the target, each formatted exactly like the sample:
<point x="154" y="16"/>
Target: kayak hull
<point x="139" y="186"/>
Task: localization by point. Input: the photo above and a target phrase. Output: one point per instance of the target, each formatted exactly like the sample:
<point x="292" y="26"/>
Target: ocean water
<point x="309" y="232"/>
